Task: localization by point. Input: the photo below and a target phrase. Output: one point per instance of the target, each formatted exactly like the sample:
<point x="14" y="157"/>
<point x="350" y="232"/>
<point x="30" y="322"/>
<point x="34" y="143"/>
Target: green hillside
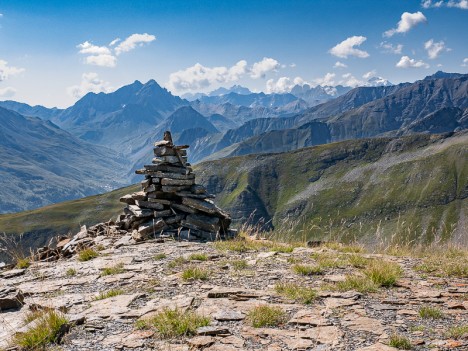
<point x="414" y="188"/>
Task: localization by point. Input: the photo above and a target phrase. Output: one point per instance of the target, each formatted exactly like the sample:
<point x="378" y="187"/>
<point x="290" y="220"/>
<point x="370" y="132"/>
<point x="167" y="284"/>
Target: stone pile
<point x="171" y="202"/>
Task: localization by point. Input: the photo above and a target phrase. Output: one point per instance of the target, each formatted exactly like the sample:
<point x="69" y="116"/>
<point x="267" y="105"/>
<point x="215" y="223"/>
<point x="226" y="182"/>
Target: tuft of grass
<point x="107" y="294"/>
<point x="179" y="261"/>
<point x="239" y="264"/>
<point x="48" y="329"/>
<point x="198" y="257"/>
<point x="266" y="316"/>
<point x="344" y="248"/>
<point x="449" y="263"/>
<point x="87" y="254"/>
<point x="117" y="269"/>
<point x="327" y="260"/>
<point x="174" y="323"/>
<point x="159" y="256"/>
<point x="23" y="263"/>
<point x="400" y="342"/>
<point x="383" y="273"/>
<point x="235" y="245"/>
<point x="458" y="332"/>
<point x="358" y="261"/>
<point x="303" y="269"/>
<point x="71" y="272"/>
<point x="282" y="248"/>
<point x="429" y="312"/>
<point x="359" y="283"/>
<point x="195" y="273"/>
<point x="294" y="291"/>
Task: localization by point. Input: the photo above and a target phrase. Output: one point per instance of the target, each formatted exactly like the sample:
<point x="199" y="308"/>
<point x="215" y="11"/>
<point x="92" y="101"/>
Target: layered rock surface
<point x="171" y="201"/>
<point x="151" y="280"/>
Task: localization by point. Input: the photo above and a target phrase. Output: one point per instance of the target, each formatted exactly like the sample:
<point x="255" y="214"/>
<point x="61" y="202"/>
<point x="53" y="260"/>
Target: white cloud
<point x="434" y="49"/>
<point x="261" y="68"/>
<point x="7" y="71"/>
<point x="461" y="4"/>
<point x="292" y="65"/>
<point x="133" y="41"/>
<point x="101" y="60"/>
<point x="115" y="41"/>
<point x="283" y="85"/>
<point x="327" y="79"/>
<point x="350" y="81"/>
<point x="369" y="74"/>
<point x="465" y="62"/>
<point x="1" y="15"/>
<point x="7" y="92"/>
<point x="88" y="48"/>
<point x="390" y="48"/>
<point x="408" y="21"/>
<point x="406" y="62"/>
<point x="347" y="48"/>
<point x="339" y="64"/>
<point x="199" y="77"/>
<point x="107" y="56"/>
<point x="90" y="82"/>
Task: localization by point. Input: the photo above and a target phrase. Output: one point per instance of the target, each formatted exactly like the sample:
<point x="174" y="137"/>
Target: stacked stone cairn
<point x="171" y="203"/>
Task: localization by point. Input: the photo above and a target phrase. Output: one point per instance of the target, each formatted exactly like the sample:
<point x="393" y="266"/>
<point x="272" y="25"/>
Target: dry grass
<point x="266" y="316"/>
<point x="48" y="328"/>
<point x="174" y="323"/>
<point x="296" y="292"/>
<point x="400" y="342"/>
<point x="107" y="294"/>
<point x="429" y="312"/>
<point x="87" y="254"/>
<point x="303" y="269"/>
<point x="117" y="269"/>
<point x="195" y="273"/>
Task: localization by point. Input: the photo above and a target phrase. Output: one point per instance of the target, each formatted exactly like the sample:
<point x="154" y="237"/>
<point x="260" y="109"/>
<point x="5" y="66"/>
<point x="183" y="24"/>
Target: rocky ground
<point x="233" y="280"/>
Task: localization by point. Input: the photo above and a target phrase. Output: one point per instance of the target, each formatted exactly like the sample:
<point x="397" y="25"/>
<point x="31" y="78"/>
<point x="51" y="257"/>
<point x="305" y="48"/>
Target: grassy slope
<point x="413" y="186"/>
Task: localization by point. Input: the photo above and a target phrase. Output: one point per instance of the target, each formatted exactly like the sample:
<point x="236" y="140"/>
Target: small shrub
<point x="174" y="323"/>
<point x="400" y="342"/>
<point x="458" y="332"/>
<point x="239" y="264"/>
<point x="159" y="256"/>
<point x="117" y="269"/>
<point x="23" y="263"/>
<point x="266" y="316"/>
<point x="179" y="261"/>
<point x="87" y="254"/>
<point x="296" y="292"/>
<point x="198" y="257"/>
<point x="71" y="272"/>
<point x="47" y="330"/>
<point x="107" y="294"/>
<point x="383" y="273"/>
<point x="195" y="273"/>
<point x="429" y="312"/>
<point x="303" y="269"/>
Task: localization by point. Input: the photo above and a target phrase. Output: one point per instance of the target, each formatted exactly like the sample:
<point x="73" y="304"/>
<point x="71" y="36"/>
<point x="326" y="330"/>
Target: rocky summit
<point x="171" y="202"/>
<point x="241" y="294"/>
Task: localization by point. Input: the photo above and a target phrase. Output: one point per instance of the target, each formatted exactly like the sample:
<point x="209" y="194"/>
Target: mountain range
<point x="122" y="125"/>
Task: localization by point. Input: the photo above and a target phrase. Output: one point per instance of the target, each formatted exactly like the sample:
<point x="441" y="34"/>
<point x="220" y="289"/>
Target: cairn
<point x="171" y="203"/>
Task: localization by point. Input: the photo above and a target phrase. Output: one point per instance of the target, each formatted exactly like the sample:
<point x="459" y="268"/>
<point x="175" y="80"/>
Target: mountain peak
<point x="441" y="74"/>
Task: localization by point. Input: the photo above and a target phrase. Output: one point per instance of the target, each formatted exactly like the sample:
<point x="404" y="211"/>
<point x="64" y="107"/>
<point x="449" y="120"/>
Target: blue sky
<point x="53" y="52"/>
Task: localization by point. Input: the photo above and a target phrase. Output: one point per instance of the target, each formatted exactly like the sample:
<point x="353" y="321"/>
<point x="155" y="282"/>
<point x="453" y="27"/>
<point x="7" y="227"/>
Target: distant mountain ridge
<point x="41" y="164"/>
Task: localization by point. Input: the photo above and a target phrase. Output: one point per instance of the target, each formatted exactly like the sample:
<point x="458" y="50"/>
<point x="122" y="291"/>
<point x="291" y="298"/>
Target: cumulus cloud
<point x="261" y="68"/>
<point x="106" y="56"/>
<point x="369" y="74"/>
<point x="389" y="48"/>
<point x="133" y="41"/>
<point x="7" y="92"/>
<point x="406" y="62"/>
<point x="283" y="84"/>
<point x="434" y="49"/>
<point x="408" y="21"/>
<point x="90" y="82"/>
<point x="465" y="62"/>
<point x="327" y="79"/>
<point x="347" y="48"/>
<point x="199" y="77"/>
<point x="7" y="71"/>
<point x="461" y="4"/>
<point x="339" y="64"/>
